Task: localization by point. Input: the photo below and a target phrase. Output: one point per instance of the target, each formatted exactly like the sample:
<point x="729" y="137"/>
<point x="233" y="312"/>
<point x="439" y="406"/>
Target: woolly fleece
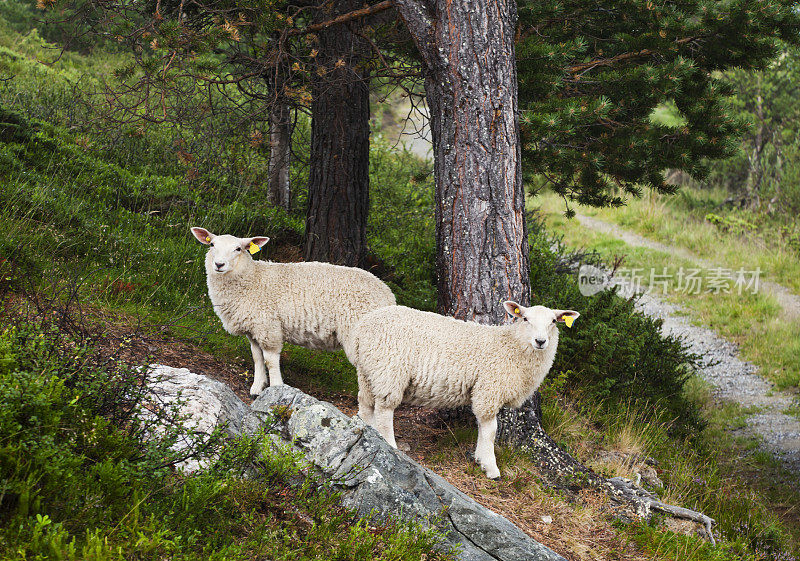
<point x="310" y="304"/>
<point x="421" y="358"/>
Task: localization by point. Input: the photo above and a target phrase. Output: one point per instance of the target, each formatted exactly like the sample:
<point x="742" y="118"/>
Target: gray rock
<point x="203" y="403"/>
<point x="379" y="480"/>
<point x="374" y="479"/>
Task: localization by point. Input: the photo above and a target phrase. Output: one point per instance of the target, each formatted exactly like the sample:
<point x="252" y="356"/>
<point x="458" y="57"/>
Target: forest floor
<point x="734" y="379"/>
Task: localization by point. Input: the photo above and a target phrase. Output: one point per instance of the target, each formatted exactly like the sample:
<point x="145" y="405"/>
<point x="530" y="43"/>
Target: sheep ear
<point x="254" y="245"/>
<point x="513" y="308"/>
<point x="260" y="241"/>
<point x="202" y="235"/>
<point x="567" y="316"/>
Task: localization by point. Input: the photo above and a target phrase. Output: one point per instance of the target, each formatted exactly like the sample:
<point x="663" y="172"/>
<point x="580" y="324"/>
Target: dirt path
<point x="789" y="301"/>
<point x="734" y="380"/>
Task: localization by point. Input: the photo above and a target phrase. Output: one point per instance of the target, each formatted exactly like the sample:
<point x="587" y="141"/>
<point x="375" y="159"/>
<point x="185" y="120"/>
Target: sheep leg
<point x="383" y="421"/>
<point x="274" y="365"/>
<point x="484" y="450"/>
<point x="260" y="376"/>
<point x="366" y="405"/>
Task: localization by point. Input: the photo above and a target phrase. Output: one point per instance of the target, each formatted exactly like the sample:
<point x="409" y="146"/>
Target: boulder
<point x="202" y="403"/>
<point x="376" y="479"/>
<point x="373" y="478"/>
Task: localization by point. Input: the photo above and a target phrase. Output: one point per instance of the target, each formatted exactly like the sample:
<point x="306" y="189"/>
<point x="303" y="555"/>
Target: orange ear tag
<point x="568" y="320"/>
<point x="253" y="248"/>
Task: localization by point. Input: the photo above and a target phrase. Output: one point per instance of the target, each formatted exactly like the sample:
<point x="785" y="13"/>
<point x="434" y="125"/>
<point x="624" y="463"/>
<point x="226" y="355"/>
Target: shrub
<point x="79" y="480"/>
<point x="613" y="353"/>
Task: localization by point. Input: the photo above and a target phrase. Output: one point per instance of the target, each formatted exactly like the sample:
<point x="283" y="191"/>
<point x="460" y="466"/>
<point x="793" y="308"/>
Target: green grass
<point x="80" y="479"/>
<point x="708" y="473"/>
<point x="112" y="214"/>
<point x="104" y="220"/>
<point x="753" y="321"/>
<point x="115" y="210"/>
<point x="668" y="115"/>
<point x="729" y="237"/>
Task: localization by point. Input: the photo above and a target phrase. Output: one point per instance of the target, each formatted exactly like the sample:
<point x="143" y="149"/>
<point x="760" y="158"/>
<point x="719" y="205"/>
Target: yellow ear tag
<point x="208" y="239"/>
<point x="516" y="310"/>
<point x="253" y="248"/>
<point x="568" y="320"/>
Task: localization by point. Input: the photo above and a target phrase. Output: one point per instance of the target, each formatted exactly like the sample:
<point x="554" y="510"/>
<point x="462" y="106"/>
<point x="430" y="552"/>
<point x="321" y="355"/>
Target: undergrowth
<point x="82" y="476"/>
<point x="112" y="211"/>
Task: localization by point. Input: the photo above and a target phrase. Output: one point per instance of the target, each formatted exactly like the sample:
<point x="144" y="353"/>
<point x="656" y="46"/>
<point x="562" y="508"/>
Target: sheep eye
<point x="238" y="249"/>
<point x="524" y="319"/>
<point x="554" y="320"/>
<point x="211" y="244"/>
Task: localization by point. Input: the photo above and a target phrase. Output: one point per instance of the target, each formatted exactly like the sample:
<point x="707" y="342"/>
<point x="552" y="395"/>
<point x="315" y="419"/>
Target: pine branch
<point x="344" y="18"/>
<point x="586" y="66"/>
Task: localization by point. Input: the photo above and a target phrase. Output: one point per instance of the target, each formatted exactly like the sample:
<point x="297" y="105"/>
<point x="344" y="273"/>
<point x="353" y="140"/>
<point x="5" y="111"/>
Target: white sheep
<point x="422" y="358"/>
<point x="310" y="304"/>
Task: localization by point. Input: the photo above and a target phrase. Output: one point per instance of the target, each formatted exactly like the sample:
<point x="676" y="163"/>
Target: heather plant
<point x="82" y="477"/>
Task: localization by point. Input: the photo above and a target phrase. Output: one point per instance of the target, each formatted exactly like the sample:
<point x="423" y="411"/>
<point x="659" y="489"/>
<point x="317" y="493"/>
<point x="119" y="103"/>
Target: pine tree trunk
<point x="338" y="189"/>
<point x="471" y="88"/>
<point x="280" y="138"/>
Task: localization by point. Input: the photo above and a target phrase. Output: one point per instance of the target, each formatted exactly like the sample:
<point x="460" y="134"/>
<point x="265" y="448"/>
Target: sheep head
<point x="227" y="253"/>
<point x="539" y="325"/>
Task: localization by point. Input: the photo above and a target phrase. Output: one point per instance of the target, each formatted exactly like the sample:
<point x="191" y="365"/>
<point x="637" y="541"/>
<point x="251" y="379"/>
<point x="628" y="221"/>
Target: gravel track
<point x="789" y="301"/>
<point x="733" y="379"/>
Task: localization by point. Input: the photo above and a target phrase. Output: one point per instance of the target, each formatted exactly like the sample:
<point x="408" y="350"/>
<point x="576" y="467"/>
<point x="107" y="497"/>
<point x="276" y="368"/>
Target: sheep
<point x="310" y="304"/>
<point x="421" y="358"/>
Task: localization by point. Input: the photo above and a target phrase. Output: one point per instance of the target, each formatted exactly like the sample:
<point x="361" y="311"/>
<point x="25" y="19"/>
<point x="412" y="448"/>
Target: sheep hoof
<point x="493" y="473"/>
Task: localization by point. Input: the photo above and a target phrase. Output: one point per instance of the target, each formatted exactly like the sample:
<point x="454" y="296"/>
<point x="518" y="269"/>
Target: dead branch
<point x="349" y="16"/>
<point x="645" y="502"/>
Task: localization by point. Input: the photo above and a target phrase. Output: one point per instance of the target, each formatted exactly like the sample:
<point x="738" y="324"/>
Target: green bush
<point x="613" y="353"/>
<point x="401" y="223"/>
<point x="79" y="479"/>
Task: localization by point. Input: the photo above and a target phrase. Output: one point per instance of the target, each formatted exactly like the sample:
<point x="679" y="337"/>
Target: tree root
<point x="645" y="503"/>
<point x="522" y="428"/>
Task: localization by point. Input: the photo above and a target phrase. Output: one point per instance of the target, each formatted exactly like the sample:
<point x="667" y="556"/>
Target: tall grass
<point x="754" y="321"/>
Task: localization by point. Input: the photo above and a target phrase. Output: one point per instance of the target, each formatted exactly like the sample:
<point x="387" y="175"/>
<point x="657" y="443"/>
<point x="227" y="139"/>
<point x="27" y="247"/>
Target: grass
<point x="83" y="478"/>
<point x="709" y="474"/>
<point x="692" y="220"/>
<point x="753" y="321"/>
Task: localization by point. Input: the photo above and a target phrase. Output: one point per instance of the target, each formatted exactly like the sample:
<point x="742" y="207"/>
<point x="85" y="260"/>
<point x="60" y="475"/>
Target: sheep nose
<point x="219" y="265"/>
<point x="541" y="342"/>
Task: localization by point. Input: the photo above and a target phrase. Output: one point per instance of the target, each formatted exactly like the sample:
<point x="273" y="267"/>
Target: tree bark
<point x="522" y="428"/>
<point x="471" y="88"/>
<point x="280" y="145"/>
<point x="338" y="189"/>
<point x="482" y="253"/>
